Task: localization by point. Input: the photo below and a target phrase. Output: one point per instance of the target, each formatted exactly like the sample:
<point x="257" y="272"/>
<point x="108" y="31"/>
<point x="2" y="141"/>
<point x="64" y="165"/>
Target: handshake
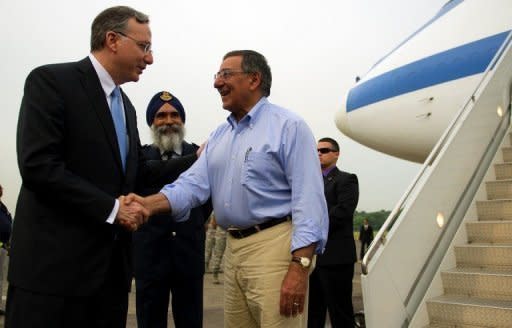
<point x="135" y="210"/>
<point x="132" y="212"/>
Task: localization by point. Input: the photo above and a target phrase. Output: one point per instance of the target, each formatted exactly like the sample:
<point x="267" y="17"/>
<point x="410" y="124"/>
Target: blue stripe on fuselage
<point x="468" y="59"/>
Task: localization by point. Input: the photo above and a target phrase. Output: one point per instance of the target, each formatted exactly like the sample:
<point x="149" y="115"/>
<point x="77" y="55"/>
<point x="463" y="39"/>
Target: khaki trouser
<point x="254" y="269"/>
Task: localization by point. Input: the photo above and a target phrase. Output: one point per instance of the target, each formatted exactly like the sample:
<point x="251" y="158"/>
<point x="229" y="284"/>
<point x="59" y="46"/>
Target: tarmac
<point x="213" y="313"/>
<point x="213" y="316"/>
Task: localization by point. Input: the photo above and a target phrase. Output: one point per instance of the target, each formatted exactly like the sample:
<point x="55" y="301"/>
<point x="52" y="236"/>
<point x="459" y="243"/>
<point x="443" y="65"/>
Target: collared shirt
<point x="108" y="85"/>
<point x="328" y="170"/>
<point x="264" y="166"/>
<point x="176" y="152"/>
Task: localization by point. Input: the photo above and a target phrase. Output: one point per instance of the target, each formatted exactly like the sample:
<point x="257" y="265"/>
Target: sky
<point x="315" y="51"/>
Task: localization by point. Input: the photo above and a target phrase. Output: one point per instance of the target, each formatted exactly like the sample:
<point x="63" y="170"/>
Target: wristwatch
<point x="305" y="262"/>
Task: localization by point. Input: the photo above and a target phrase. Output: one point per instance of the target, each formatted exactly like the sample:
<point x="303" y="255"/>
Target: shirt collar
<point x="107" y="83"/>
<point x="328" y="170"/>
<point x="178" y="151"/>
<point x="251" y="116"/>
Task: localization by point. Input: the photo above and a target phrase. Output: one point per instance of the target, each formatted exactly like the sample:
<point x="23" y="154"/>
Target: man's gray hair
<point x="254" y="62"/>
<point x="113" y="19"/>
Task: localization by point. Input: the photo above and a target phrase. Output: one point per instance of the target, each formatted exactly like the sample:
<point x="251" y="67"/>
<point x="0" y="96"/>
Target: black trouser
<point x="330" y="288"/>
<point x="105" y="309"/>
<point x="364" y="247"/>
<point x="152" y="300"/>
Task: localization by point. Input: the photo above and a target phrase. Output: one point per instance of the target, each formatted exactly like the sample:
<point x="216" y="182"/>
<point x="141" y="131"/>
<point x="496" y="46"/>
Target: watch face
<point x="305" y="261"/>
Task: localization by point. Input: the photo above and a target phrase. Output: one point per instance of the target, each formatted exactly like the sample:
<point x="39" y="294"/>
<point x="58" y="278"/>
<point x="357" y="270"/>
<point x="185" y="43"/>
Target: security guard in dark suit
<point x="169" y="255"/>
<point x="330" y="284"/>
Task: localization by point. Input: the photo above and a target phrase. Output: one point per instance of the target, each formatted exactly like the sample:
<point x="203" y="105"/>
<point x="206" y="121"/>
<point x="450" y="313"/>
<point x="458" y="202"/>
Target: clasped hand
<point x="132" y="212"/>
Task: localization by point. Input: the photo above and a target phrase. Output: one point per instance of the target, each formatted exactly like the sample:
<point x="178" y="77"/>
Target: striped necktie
<point x="118" y="117"/>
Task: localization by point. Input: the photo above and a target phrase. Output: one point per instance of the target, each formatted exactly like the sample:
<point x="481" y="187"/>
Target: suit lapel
<point x="330" y="177"/>
<point x="98" y="100"/>
<point x="131" y="128"/>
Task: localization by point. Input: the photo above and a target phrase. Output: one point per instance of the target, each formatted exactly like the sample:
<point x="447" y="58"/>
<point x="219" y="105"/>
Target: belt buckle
<point x="236" y="233"/>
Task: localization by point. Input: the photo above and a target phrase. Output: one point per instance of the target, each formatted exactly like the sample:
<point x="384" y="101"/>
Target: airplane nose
<point x="341" y="119"/>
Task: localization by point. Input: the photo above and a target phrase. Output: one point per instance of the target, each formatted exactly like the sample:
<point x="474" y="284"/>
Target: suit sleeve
<point x="347" y="196"/>
<point x="159" y="173"/>
<point x="41" y="140"/>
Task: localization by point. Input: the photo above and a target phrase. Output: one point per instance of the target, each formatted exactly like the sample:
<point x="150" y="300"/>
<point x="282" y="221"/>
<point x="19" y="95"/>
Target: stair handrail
<point x="380" y="238"/>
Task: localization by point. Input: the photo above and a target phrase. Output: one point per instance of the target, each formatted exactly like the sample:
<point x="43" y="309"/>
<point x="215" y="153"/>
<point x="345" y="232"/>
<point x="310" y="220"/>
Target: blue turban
<point x="158" y="100"/>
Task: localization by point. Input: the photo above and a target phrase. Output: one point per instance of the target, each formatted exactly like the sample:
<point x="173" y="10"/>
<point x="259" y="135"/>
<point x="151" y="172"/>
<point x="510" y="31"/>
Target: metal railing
<point x="380" y="239"/>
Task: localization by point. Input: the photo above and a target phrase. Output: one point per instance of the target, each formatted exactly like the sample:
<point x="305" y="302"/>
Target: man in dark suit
<point x="5" y="236"/>
<point x="78" y="152"/>
<point x="331" y="282"/>
<point x="365" y="237"/>
<point x="169" y="255"/>
<point x="5" y="228"/>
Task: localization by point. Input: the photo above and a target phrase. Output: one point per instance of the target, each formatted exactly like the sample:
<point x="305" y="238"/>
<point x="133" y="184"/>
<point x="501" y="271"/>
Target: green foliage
<point x="376" y="219"/>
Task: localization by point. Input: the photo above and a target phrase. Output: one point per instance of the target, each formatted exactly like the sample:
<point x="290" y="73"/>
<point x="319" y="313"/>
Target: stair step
<point x="499" y="189"/>
<point x="481" y="283"/>
<point x="503" y="171"/>
<point x="472" y="312"/>
<point x="488" y="256"/>
<point x="497" y="209"/>
<point x="507" y="154"/>
<point x="491" y="232"/>
<point x="451" y="325"/>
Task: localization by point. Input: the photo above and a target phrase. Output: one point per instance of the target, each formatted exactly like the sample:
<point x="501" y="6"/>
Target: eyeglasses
<point x="326" y="150"/>
<point x="226" y="74"/>
<point x="144" y="46"/>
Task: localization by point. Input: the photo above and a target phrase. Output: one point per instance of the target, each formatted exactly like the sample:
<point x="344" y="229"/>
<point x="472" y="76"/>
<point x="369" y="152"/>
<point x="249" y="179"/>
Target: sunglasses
<point x="325" y="150"/>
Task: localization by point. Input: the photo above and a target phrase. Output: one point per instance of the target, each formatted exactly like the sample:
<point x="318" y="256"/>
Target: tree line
<point x="376" y="219"/>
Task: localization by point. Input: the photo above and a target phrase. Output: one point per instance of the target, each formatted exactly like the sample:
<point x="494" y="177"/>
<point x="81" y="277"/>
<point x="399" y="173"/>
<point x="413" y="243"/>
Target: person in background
<point x="262" y="171"/>
<point x="5" y="236"/>
<point x="168" y="255"/>
<point x="78" y="152"/>
<point x="215" y="247"/>
<point x="365" y="237"/>
<point x="330" y="286"/>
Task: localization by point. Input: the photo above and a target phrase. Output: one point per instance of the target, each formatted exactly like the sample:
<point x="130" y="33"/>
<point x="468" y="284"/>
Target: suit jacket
<point x="71" y="174"/>
<point x="366" y="235"/>
<point x="5" y="224"/>
<point x="164" y="246"/>
<point x="342" y="194"/>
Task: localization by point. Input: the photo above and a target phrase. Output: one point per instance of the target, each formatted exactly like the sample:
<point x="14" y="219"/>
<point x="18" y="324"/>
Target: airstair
<point x="478" y="291"/>
<point x="443" y="258"/>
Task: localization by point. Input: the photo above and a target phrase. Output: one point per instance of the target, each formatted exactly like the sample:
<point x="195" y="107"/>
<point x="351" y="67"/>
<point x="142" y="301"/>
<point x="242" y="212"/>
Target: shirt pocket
<point x="260" y="172"/>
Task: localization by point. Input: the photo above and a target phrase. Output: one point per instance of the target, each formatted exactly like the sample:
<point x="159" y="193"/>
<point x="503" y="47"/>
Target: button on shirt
<point x="264" y="166"/>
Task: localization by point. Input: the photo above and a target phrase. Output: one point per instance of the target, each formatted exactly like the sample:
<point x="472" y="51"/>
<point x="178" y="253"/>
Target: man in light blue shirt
<point x="262" y="172"/>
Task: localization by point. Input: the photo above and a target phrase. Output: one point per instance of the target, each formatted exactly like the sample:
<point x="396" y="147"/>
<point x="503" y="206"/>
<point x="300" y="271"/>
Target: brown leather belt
<point x="242" y="233"/>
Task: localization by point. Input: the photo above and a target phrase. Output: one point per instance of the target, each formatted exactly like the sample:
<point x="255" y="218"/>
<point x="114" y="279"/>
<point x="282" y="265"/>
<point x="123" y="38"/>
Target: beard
<point x="168" y="137"/>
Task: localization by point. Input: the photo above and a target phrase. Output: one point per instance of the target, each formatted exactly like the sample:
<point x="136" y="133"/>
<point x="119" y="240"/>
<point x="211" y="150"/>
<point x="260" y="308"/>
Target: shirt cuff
<point x="113" y="214"/>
